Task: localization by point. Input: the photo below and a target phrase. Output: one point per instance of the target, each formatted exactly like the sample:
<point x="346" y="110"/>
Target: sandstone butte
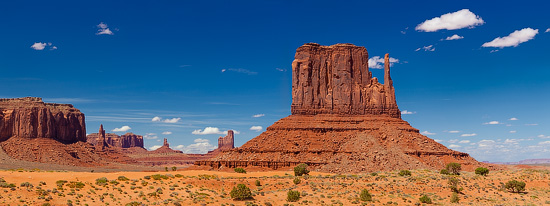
<point x="342" y="120"/>
<point x="127" y="140"/>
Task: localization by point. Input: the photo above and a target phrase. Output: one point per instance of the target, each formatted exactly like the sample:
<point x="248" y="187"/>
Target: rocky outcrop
<point x="165" y="148"/>
<point x="131" y="140"/>
<point x="30" y="117"/>
<point x="336" y="80"/>
<point x="342" y="120"/>
<point x="127" y="140"/>
<point x="227" y="142"/>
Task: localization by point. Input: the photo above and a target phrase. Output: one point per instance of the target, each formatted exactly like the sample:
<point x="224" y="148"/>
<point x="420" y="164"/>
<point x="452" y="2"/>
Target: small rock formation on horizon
<point x="127" y="140"/>
<point x="165" y="148"/>
<point x="343" y="120"/>
<point x="101" y="143"/>
<point x="227" y="142"/>
<point x="30" y="117"/>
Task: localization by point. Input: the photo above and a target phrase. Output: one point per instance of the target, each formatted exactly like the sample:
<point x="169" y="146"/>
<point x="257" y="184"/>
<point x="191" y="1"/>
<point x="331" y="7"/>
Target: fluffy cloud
<point x="154" y="147"/>
<point x="150" y="136"/>
<point x="156" y="119"/>
<point x="256" y="128"/>
<point x="513" y="119"/>
<point x="464" y="142"/>
<point x="407" y="112"/>
<point x="377" y="62"/>
<point x="454" y="146"/>
<point x="454" y="37"/>
<point x="240" y="70"/>
<point x="201" y="146"/>
<point x="468" y="135"/>
<point x="544" y="143"/>
<point x="122" y="129"/>
<point x="167" y="133"/>
<point x="451" y="21"/>
<point x="103" y="29"/>
<point x="39" y="46"/>
<point x="426" y="48"/>
<point x="547" y="30"/>
<point x="543" y="136"/>
<point x="454" y="131"/>
<point x="514" y="39"/>
<point x="493" y="122"/>
<point x="258" y="115"/>
<point x="159" y="119"/>
<point x="211" y="130"/>
<point x="427" y="133"/>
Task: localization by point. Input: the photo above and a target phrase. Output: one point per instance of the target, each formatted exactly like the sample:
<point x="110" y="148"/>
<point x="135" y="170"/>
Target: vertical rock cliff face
<point x="227" y="142"/>
<point x="336" y="80"/>
<point x="30" y="117"/>
<point x="131" y="140"/>
<point x="127" y="140"/>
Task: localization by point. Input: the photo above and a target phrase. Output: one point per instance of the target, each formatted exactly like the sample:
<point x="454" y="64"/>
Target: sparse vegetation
<point x="240" y="170"/>
<point x="297" y="180"/>
<point x="482" y="171"/>
<point x="301" y="170"/>
<point x="292" y="196"/>
<point x="453" y="185"/>
<point x="257" y="183"/>
<point x="454" y="168"/>
<point x="405" y="173"/>
<point x="101" y="181"/>
<point x="444" y="172"/>
<point x="515" y="186"/>
<point x="365" y="195"/>
<point x="122" y="178"/>
<point x="174" y="168"/>
<point x="455" y="198"/>
<point x="425" y="199"/>
<point x="241" y="192"/>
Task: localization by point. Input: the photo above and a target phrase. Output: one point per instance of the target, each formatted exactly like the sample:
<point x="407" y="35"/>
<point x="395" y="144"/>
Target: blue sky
<point x="203" y="67"/>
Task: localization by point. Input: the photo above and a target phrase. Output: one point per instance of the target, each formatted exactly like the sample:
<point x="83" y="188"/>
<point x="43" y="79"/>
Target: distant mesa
<point x="343" y="120"/>
<point x="224" y="143"/>
<point x="127" y="140"/>
<point x="165" y="148"/>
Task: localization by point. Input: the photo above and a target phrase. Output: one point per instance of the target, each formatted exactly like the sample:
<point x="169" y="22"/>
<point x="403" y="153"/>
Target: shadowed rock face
<point x="124" y="141"/>
<point x="336" y="80"/>
<point x="30" y="117"/>
<point x="227" y="142"/>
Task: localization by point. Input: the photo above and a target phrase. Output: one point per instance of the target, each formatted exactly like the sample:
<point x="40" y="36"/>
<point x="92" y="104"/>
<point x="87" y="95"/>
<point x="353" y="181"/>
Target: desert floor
<point x="200" y="187"/>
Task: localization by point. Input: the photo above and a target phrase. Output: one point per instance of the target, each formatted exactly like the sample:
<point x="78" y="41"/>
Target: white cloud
<point x="156" y="119"/>
<point x="454" y="37"/>
<point x="514" y="39"/>
<point x="464" y="142"/>
<point x="103" y="29"/>
<point x="438" y="140"/>
<point x="154" y="147"/>
<point x="513" y="131"/>
<point x="211" y="130"/>
<point x="493" y="122"/>
<point x="454" y="131"/>
<point x="173" y="120"/>
<point x="468" y="135"/>
<point x="453" y="141"/>
<point x="486" y="143"/>
<point x="201" y="146"/>
<point x="547" y="30"/>
<point x="426" y="48"/>
<point x="427" y="133"/>
<point x="150" y="136"/>
<point x="407" y="112"/>
<point x="544" y="137"/>
<point x="454" y="146"/>
<point x="545" y="142"/>
<point x="122" y="129"/>
<point x="513" y="119"/>
<point x="241" y="70"/>
<point x="451" y="21"/>
<point x="256" y="128"/>
<point x="511" y="141"/>
<point x="167" y="133"/>
<point x="377" y="62"/>
<point x="258" y="115"/>
<point x="39" y="46"/>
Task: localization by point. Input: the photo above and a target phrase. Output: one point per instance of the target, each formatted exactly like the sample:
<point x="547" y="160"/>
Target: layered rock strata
<point x="127" y="140"/>
<point x="342" y="120"/>
<point x="30" y="117"/>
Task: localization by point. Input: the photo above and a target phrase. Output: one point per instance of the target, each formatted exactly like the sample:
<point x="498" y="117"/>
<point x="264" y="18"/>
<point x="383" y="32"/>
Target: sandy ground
<point x="200" y="187"/>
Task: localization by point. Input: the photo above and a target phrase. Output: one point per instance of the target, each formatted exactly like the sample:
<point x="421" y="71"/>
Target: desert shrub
<point x="425" y="199"/>
<point x="455" y="198"/>
<point x="240" y="170"/>
<point x="158" y="177"/>
<point x="241" y="192"/>
<point x="454" y="168"/>
<point x="373" y="174"/>
<point x="297" y="181"/>
<point x="166" y="169"/>
<point x="300" y="170"/>
<point x="404" y="173"/>
<point x="134" y="203"/>
<point x="482" y="171"/>
<point x="444" y="172"/>
<point x="174" y="168"/>
<point x="515" y="186"/>
<point x="257" y="183"/>
<point x="292" y="196"/>
<point x="453" y="185"/>
<point x="147" y="177"/>
<point x="122" y="178"/>
<point x="365" y="195"/>
<point x="26" y="184"/>
<point x="76" y="185"/>
<point x="101" y="181"/>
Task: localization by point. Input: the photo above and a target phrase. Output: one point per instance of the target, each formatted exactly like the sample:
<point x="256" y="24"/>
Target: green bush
<point x="102" y="181"/>
<point x="122" y="178"/>
<point x="425" y="199"/>
<point x="515" y="186"/>
<point x="292" y="196"/>
<point x="26" y="184"/>
<point x="241" y="192"/>
<point x="257" y="183"/>
<point x="454" y="168"/>
<point x="444" y="172"/>
<point x="455" y="198"/>
<point x="158" y="177"/>
<point x="78" y="185"/>
<point x="404" y="173"/>
<point x="453" y="185"/>
<point x="297" y="180"/>
<point x="373" y="174"/>
<point x="240" y="170"/>
<point x="300" y="170"/>
<point x="365" y="195"/>
<point x="174" y="168"/>
<point x="482" y="171"/>
<point x="134" y="203"/>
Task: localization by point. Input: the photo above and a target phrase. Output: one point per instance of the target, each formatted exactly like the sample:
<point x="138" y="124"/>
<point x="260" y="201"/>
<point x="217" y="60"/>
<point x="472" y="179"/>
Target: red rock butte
<point x="343" y="120"/>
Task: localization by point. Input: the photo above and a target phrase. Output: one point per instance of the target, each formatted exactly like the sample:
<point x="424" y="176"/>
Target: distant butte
<point x="343" y="120"/>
